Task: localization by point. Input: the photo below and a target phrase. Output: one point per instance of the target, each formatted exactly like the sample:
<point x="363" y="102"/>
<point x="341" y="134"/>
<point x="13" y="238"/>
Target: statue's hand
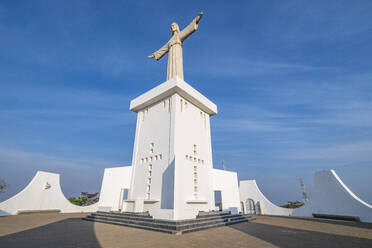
<point x="151" y="56"/>
<point x="199" y="17"/>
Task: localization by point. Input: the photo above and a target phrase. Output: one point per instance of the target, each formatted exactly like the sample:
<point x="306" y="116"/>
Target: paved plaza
<point x="69" y="230"/>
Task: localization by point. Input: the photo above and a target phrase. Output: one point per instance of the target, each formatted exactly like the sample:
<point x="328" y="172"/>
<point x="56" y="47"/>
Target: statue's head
<point x="175" y="28"/>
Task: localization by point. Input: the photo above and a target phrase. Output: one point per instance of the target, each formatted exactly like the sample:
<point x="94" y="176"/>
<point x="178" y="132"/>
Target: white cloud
<point x="236" y="66"/>
<point x="338" y="153"/>
<point x="331" y="21"/>
<point x="348" y="118"/>
<point x="42" y="160"/>
<point x="56" y="107"/>
<point x="2" y="10"/>
<point x="251" y="125"/>
<point x="77" y="174"/>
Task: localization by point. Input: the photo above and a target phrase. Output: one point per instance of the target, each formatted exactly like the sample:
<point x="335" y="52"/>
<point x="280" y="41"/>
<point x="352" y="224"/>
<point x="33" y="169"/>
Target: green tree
<point x="85" y="199"/>
<point x="295" y="204"/>
<point x="80" y="201"/>
<point x="3" y="186"/>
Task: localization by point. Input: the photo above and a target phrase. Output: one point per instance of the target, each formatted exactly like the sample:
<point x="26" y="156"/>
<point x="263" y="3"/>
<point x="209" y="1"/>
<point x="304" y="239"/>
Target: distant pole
<point x="223" y="165"/>
<point x="304" y="195"/>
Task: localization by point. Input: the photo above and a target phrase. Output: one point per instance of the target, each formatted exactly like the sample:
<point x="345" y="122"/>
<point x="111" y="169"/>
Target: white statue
<point x="174" y="47"/>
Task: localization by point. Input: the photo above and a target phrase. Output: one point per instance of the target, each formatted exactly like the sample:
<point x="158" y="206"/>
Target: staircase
<point x="204" y="220"/>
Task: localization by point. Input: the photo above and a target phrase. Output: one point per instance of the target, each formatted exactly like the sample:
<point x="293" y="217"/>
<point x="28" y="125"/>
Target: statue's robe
<point x="174" y="47"/>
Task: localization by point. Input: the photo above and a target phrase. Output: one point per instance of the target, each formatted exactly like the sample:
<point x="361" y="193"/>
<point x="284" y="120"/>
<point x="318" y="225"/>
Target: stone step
<point x="119" y="218"/>
<point x="124" y="215"/>
<point x="169" y="225"/>
<point x="215" y="214"/>
<point x="215" y="225"/>
<point x="202" y="213"/>
<point x="144" y="214"/>
<point x="179" y="230"/>
<point x="130" y="225"/>
<point x="164" y="222"/>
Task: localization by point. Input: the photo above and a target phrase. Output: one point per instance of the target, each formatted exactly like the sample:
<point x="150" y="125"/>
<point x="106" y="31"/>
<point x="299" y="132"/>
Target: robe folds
<point x="174" y="48"/>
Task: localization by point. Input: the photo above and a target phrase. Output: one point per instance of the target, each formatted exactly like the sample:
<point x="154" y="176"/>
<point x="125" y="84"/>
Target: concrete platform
<point x="203" y="221"/>
<point x="69" y="230"/>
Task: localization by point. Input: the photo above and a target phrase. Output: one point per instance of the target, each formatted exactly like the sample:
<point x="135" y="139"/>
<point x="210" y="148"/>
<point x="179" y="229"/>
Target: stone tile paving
<point x="68" y="230"/>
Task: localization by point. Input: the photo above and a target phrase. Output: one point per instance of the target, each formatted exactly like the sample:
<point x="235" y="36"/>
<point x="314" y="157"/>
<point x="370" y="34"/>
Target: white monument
<point x="172" y="173"/>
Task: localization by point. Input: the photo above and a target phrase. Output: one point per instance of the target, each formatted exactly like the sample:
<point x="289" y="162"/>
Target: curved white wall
<point x="331" y="196"/>
<point x="249" y="190"/>
<point x="37" y="197"/>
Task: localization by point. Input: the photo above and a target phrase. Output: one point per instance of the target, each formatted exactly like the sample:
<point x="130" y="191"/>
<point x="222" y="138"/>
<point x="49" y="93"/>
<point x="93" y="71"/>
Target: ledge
<point x="145" y="200"/>
<point x="336" y="217"/>
<point x="39" y="211"/>
<point x="196" y="202"/>
<point x="174" y="85"/>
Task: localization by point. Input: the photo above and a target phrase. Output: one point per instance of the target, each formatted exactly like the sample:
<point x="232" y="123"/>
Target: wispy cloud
<point x="347" y="118"/>
<point x="77" y="174"/>
<point x="108" y="59"/>
<point x="2" y="10"/>
<point x="236" y="66"/>
<point x="318" y="21"/>
<point x="42" y="161"/>
<point x="249" y="125"/>
<point x="338" y="153"/>
<point x="26" y="92"/>
<point x="82" y="107"/>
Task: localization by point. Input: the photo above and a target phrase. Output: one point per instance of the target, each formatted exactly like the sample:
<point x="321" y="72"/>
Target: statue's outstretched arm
<point x="159" y="53"/>
<point x="197" y="19"/>
<point x="191" y="28"/>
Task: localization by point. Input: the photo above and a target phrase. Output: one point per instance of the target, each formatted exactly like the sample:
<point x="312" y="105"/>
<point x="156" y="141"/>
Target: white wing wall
<point x="332" y="197"/>
<point x="42" y="193"/>
<point x="249" y="190"/>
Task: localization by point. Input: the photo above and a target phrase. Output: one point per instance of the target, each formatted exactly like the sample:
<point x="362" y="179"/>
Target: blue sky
<point x="292" y="81"/>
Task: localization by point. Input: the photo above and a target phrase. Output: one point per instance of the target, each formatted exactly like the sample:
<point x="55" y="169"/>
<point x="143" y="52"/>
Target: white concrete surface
<point x="332" y="197"/>
<point x="116" y="181"/>
<point x="41" y="194"/>
<point x="227" y="183"/>
<point x="255" y="202"/>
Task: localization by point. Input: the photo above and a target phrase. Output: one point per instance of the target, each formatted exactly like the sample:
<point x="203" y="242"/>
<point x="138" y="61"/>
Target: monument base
<point x="204" y="220"/>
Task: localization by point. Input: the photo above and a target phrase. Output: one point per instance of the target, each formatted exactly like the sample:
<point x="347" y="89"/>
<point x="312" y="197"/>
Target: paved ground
<point x="68" y="230"/>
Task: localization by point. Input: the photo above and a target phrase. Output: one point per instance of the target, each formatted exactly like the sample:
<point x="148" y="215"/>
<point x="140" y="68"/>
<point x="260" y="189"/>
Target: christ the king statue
<point x="174" y="48"/>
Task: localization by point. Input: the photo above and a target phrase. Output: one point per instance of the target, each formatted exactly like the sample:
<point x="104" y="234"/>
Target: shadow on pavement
<point x="289" y="237"/>
<point x="329" y="221"/>
<point x="72" y="232"/>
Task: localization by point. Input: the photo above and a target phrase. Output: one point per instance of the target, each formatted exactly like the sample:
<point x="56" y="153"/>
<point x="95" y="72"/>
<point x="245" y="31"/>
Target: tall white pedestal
<point x="172" y="157"/>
